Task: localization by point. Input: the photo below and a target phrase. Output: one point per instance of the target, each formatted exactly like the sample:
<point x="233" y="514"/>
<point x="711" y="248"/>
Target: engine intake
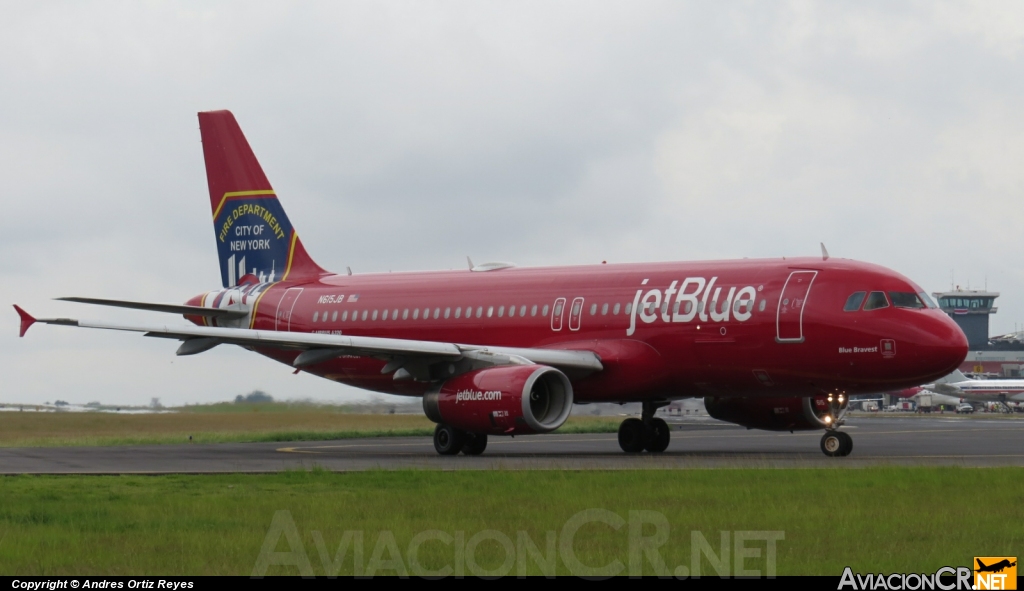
<point x="505" y="400"/>
<point x="791" y="413"/>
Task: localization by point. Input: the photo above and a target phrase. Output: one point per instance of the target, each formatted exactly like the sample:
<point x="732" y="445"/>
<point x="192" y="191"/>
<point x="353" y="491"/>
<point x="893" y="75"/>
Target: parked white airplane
<point x="957" y="384"/>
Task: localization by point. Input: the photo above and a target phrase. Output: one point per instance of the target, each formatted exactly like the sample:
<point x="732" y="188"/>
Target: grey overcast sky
<point x="407" y="135"/>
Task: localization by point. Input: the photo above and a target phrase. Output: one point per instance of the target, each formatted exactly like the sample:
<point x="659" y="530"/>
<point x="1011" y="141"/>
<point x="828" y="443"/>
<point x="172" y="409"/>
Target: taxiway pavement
<point x="696" y="443"/>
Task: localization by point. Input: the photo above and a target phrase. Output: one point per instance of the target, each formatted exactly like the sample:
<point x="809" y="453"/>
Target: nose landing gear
<point x="836" y="443"/>
<point x="648" y="432"/>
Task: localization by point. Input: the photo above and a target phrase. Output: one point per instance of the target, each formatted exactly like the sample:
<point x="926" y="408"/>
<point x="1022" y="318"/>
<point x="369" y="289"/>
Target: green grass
<point x="224" y="423"/>
<point x="885" y="519"/>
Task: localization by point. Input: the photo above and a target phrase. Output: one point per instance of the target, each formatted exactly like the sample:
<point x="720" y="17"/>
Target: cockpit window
<point x="927" y="299"/>
<point x="854" y="301"/>
<point x="876" y="300"/>
<point x="902" y="299"/>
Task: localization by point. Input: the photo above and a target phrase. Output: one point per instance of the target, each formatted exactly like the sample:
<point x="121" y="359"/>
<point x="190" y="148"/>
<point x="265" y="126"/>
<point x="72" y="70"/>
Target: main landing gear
<point x="647" y="432"/>
<point x="449" y="441"/>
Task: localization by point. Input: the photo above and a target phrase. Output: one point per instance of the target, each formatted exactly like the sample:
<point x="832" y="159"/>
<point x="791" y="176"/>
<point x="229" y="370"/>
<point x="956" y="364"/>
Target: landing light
<point x="840" y="399"/>
<point x="828" y="420"/>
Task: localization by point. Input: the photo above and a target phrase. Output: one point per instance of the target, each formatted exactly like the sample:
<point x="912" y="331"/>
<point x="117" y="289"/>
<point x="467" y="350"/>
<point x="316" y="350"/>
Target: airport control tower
<point x="970" y="309"/>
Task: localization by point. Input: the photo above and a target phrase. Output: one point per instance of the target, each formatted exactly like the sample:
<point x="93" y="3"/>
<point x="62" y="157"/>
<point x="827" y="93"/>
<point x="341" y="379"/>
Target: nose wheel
<point x="836" y="444"/>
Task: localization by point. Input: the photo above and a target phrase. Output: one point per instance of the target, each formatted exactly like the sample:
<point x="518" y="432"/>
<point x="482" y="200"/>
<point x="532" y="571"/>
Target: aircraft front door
<point x="285" y="307"/>
<point x="789" y="321"/>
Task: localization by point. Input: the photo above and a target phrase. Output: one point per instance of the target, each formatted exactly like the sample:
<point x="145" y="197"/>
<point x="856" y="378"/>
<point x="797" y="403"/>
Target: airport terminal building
<point x="1001" y="356"/>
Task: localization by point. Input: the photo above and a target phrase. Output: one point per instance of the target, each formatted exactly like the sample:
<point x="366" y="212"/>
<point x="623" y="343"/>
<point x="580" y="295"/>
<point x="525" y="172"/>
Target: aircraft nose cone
<point x="948" y="346"/>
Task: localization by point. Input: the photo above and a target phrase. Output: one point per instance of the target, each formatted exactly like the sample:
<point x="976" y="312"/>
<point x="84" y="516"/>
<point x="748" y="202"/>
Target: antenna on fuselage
<point x="349" y="269"/>
<point x="824" y="252"/>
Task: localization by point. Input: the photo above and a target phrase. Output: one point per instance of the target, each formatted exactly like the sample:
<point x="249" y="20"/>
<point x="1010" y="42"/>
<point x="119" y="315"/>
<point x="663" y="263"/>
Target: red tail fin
<point x="255" y="239"/>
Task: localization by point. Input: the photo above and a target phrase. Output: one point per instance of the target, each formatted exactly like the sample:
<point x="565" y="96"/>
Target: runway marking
<point x="303" y="449"/>
<point x="741" y="435"/>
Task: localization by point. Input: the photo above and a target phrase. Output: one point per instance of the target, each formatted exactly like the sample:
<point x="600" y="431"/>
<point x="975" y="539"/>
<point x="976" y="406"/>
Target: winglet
<point x="824" y="252"/>
<point x="26" y="320"/>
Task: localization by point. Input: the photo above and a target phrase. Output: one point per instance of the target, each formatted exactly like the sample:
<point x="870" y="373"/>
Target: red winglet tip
<point x="26" y="320"/>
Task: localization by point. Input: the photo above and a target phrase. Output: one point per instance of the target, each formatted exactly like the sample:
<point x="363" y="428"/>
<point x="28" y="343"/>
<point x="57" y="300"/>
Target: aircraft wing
<point x="410" y="355"/>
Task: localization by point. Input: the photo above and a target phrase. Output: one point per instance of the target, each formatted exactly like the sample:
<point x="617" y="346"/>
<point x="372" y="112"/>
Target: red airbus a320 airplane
<point x="774" y="344"/>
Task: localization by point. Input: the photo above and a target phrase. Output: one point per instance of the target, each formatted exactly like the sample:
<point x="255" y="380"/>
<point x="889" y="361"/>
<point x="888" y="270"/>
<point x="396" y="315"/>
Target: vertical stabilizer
<point x="255" y="240"/>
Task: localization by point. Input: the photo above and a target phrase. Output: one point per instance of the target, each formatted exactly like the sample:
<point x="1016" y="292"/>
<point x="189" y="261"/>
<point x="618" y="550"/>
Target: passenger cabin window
<point x="315" y="316"/>
<point x="544" y="312"/>
<point x="458" y="312"/>
<point x="334" y="317"/>
<point x="533" y="310"/>
<point x="876" y="300"/>
<point x="522" y="311"/>
<point x="906" y="299"/>
<point x="615" y="310"/>
<point x="854" y="301"/>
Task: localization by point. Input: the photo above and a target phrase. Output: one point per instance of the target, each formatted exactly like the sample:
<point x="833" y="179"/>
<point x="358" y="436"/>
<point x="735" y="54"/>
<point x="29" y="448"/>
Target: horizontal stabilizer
<point x="169" y="308"/>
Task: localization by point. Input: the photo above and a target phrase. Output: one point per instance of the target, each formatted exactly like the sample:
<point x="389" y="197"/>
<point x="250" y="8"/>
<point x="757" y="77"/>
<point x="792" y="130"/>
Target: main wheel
<point x="658" y="436"/>
<point x="846" y="443"/>
<point x="831" y="444"/>
<point x="448" y="440"/>
<point x="631" y="435"/>
<point x="475" y="444"/>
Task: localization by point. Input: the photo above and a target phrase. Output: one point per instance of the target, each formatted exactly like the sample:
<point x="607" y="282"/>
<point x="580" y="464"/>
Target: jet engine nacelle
<point x="504" y="400"/>
<point x="791" y="413"/>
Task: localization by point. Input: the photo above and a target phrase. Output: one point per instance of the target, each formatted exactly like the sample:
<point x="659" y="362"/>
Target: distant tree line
<point x="254" y="397"/>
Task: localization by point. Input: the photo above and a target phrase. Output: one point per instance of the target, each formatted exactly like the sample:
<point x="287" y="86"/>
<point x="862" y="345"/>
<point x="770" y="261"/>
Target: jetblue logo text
<point x="475" y="395"/>
<point x="696" y="298"/>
